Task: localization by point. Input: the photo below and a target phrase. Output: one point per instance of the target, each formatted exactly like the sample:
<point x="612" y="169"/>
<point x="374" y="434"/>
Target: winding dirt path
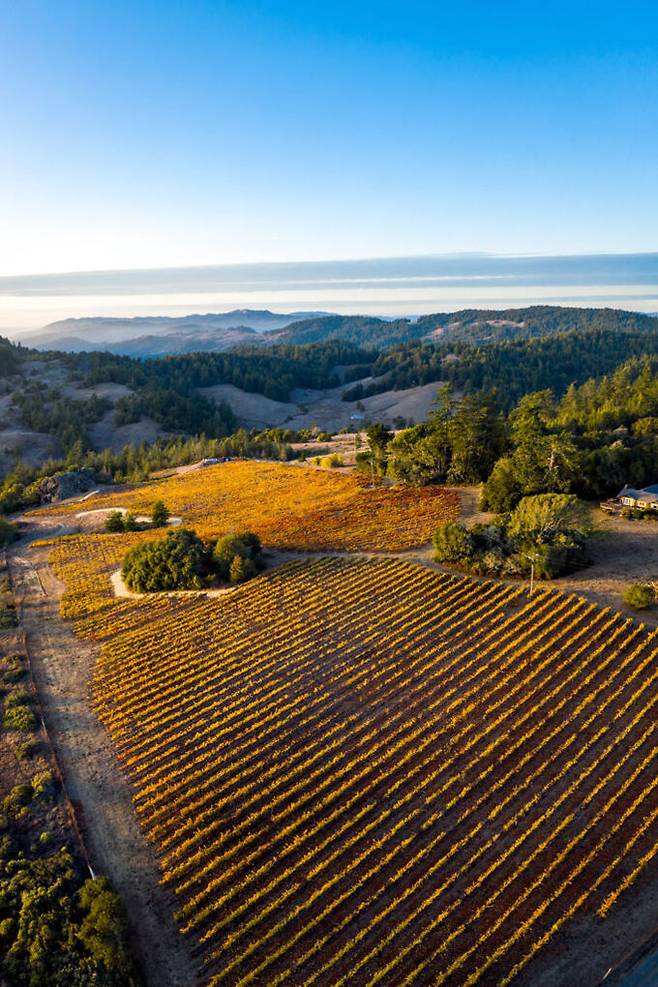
<point x="62" y="666"/>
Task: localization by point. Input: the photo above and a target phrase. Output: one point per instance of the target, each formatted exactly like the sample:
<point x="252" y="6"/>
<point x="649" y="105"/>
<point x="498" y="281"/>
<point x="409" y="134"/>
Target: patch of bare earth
<point x="62" y="665"/>
<point x="326" y="409"/>
<point x="104" y="434"/>
<point x="622" y="552"/>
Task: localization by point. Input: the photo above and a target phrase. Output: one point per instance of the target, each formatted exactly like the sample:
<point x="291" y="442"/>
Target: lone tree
<point x="114" y="522"/>
<point x="159" y="514"/>
<point x="378" y="439"/>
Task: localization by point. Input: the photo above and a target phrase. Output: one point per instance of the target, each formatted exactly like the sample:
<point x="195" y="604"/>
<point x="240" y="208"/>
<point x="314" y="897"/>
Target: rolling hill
<point x="158" y="335"/>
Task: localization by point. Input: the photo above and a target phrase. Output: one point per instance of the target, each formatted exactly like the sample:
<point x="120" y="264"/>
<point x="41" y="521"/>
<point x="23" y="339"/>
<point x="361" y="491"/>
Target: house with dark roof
<point x="644" y="499"/>
<point x="629" y="498"/>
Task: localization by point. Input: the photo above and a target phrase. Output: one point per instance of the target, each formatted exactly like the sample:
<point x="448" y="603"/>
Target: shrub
<point x="11" y="668"/>
<point x="7" y="615"/>
<point x="639" y="596"/>
<point x="18" y="712"/>
<point x="180" y="560"/>
<point x="242" y="569"/>
<point x="103" y="929"/>
<point x="130" y="522"/>
<point x="246" y="546"/>
<point x="550" y="560"/>
<point x="332" y="461"/>
<point x="114" y="522"/>
<point x="159" y="514"/>
<point x="16" y="799"/>
<point x="453" y="543"/>
<point x="27" y="750"/>
<point x="43" y="785"/>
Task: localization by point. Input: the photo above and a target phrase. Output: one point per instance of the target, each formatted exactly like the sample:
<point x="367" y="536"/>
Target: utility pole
<point x="532" y="559"/>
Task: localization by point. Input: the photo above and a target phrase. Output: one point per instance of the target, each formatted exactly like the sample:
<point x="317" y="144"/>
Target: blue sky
<point x="155" y="134"/>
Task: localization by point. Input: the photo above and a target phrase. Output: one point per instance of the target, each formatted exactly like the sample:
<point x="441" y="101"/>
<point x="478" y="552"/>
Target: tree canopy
<point x="547" y="532"/>
<point x="180" y="560"/>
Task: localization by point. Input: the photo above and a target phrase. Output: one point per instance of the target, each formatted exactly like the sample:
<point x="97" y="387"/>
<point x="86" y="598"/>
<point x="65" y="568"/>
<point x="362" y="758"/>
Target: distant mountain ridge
<point x="467" y="325"/>
<point x="156" y="336"/>
<point x="89" y="333"/>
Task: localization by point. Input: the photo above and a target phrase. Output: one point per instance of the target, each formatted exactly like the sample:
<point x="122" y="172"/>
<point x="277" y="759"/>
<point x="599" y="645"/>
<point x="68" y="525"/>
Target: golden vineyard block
<point x="362" y="771"/>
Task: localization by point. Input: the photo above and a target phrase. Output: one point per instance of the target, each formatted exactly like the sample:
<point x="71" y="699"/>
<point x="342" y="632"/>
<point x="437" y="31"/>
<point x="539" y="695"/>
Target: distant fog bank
<point x="384" y="286"/>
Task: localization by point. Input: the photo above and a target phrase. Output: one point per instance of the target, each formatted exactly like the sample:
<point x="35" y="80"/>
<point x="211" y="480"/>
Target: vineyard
<point x="291" y="507"/>
<point x="360" y="771"/>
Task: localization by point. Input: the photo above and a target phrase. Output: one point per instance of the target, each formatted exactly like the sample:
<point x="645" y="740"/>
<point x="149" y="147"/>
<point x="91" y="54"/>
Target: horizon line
<point x="456" y="255"/>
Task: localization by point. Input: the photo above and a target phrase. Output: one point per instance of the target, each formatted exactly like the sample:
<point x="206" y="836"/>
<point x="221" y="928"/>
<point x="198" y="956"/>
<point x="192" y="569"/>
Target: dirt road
<point x="62" y="666"/>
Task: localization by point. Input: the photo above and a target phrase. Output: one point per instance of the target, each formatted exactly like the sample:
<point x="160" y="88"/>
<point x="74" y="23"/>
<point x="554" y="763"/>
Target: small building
<point x="644" y="500"/>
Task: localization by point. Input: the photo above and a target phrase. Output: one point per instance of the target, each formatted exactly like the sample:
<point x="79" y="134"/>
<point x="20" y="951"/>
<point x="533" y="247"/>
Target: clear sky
<point x="139" y="134"/>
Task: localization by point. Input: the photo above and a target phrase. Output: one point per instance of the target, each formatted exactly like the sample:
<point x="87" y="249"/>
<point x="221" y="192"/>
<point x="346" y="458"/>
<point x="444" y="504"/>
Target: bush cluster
<point x="329" y="462"/>
<point x="181" y="560"/>
<point x="57" y="929"/>
<point x="118" y="521"/>
<point x="639" y="596"/>
<point x="18" y="713"/>
<point x="550" y="531"/>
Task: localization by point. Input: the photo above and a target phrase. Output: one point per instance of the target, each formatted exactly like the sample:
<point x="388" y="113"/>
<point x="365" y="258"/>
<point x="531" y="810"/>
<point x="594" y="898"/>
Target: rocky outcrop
<point x="61" y="486"/>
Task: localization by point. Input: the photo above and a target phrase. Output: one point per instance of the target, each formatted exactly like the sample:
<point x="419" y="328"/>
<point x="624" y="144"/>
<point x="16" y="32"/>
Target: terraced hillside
<point x="363" y="771"/>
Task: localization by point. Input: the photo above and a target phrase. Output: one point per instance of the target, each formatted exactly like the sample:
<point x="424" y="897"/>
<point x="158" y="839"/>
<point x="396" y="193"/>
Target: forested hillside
<point x="359" y="329"/>
<point x="511" y="367"/>
<point x="489" y="325"/>
<point x="477" y="326"/>
<point x="591" y="441"/>
<point x="272" y="372"/>
<point x="74" y="403"/>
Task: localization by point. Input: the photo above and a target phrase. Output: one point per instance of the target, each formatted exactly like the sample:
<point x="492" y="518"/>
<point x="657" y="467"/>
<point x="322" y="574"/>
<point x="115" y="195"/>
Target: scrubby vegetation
<point x="639" y="596"/>
<point x="547" y="533"/>
<point x="58" y="927"/>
